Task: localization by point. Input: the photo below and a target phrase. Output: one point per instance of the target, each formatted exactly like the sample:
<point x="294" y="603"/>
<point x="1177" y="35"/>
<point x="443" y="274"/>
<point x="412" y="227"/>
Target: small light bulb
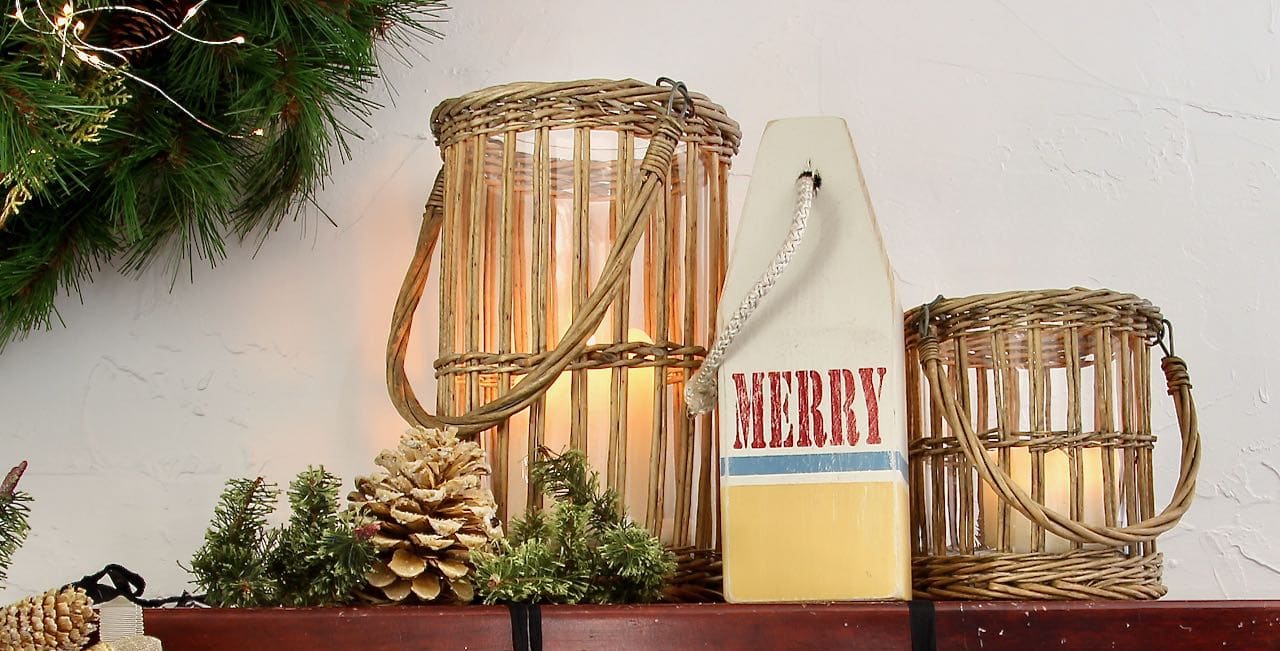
<point x="258" y="131"/>
<point x="238" y="40"/>
<point x="79" y="26"/>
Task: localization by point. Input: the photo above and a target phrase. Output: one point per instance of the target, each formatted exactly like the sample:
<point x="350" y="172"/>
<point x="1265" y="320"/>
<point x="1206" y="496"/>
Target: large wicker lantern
<point x="1029" y="415"/>
<point x="581" y="230"/>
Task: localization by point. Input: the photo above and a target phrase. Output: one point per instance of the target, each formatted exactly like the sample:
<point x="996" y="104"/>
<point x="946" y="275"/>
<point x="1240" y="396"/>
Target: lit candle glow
<point x="1057" y="496"/>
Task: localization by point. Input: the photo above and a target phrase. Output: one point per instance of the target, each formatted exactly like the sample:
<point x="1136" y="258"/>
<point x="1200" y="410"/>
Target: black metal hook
<point x="1166" y="328"/>
<point x="677" y="88"/>
<point x="925" y="316"/>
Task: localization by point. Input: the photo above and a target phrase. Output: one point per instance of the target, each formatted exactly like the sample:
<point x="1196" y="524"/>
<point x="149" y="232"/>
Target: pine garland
<point x="96" y="167"/>
<point x="319" y="558"/>
<point x="583" y="550"/>
<point x="13" y="518"/>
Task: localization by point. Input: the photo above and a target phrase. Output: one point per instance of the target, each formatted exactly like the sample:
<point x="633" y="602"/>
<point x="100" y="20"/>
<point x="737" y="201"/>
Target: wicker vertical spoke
<point x="1006" y="382"/>
<point x="620" y="382"/>
<point x="1071" y="367"/>
<point x="961" y="523"/>
<point x="540" y="293"/>
<point x="1037" y="388"/>
<point x="716" y="255"/>
<point x="686" y="425"/>
<point x="1147" y="475"/>
<point x="983" y="396"/>
<point x="509" y="233"/>
<point x="937" y="490"/>
<point x="448" y="268"/>
<point x="661" y="323"/>
<point x="581" y="270"/>
<point x="918" y="446"/>
<point x="1104" y="421"/>
<point x="1124" y="391"/>
<point x="473" y="272"/>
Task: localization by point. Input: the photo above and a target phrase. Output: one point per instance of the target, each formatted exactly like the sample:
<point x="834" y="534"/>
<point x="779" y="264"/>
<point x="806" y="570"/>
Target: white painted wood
<point x="834" y="310"/>
<point x="840" y="279"/>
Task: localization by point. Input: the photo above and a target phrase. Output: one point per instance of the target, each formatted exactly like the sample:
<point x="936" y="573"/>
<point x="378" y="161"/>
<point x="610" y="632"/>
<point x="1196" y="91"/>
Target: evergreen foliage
<point x="319" y="558"/>
<point x="96" y="166"/>
<point x="13" y="519"/>
<point x="582" y="550"/>
<point x="231" y="566"/>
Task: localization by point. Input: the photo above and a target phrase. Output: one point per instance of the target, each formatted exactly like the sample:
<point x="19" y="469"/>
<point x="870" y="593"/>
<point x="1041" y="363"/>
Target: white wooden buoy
<point x="813" y="451"/>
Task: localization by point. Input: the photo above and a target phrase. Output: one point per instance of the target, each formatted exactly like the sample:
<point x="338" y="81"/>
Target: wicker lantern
<point x="1029" y="415"/>
<point x="582" y="229"/>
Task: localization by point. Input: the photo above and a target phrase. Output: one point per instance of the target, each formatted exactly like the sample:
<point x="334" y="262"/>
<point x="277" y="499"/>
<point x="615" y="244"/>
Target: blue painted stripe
<point x="789" y="464"/>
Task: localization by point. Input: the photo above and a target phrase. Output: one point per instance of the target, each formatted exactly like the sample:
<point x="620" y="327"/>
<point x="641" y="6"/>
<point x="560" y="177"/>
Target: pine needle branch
<point x="319" y="558"/>
<point x="13" y="518"/>
<point x="96" y="166"/>
<point x="583" y="549"/>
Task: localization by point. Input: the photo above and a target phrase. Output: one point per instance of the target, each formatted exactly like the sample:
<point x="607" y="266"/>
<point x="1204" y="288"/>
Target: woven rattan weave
<point x="1031" y="446"/>
<point x="530" y="293"/>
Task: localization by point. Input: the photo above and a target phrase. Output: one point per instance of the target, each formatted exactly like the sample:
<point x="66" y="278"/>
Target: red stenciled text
<point x="808" y="408"/>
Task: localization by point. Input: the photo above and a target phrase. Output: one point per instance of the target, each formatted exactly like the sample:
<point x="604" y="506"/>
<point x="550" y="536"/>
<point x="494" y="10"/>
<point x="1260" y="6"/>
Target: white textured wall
<point x="1015" y="144"/>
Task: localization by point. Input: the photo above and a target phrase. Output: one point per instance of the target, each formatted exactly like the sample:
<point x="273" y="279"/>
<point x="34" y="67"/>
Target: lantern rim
<point x="1077" y="307"/>
<point x="607" y="104"/>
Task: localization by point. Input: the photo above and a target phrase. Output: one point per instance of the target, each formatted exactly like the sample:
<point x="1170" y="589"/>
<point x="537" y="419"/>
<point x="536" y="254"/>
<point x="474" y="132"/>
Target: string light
<point x="67" y="27"/>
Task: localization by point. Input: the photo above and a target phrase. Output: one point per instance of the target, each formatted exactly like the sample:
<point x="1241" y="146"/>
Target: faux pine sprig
<point x="319" y="558"/>
<point x="13" y="517"/>
<point x="231" y="566"/>
<point x="582" y="550"/>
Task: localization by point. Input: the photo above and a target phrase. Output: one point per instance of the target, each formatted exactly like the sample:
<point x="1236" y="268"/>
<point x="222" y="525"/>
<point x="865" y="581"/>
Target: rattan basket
<point x="1029" y="415"/>
<point x="582" y="229"/>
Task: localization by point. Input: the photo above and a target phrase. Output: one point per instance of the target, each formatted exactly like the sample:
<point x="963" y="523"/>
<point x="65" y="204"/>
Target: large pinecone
<point x="131" y="29"/>
<point x="432" y="507"/>
<point x="58" y="620"/>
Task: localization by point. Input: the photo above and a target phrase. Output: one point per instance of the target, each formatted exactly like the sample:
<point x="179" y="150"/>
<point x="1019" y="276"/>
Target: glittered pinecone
<point x="56" y="620"/>
<point x="131" y="29"/>
<point x="431" y="507"/>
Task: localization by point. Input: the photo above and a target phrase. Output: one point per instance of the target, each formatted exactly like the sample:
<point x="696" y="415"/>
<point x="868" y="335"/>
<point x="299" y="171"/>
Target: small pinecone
<point x="431" y="507"/>
<point x="131" y="29"/>
<point x="56" y="620"/>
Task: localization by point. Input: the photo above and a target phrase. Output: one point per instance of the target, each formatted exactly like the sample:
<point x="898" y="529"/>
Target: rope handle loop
<point x="703" y="390"/>
<point x="636" y="206"/>
<point x="943" y="397"/>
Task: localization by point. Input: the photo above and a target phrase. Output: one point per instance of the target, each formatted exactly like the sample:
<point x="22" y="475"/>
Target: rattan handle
<point x="944" y="399"/>
<point x="636" y="205"/>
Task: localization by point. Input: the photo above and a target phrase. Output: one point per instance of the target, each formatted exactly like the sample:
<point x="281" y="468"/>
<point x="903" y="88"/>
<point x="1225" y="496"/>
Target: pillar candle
<point x="1057" y="496"/>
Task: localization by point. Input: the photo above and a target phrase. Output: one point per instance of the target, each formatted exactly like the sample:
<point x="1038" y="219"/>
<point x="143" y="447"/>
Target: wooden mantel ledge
<point x="985" y="626"/>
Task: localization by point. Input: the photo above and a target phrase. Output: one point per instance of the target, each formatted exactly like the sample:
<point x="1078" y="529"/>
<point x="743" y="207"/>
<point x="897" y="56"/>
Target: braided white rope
<point x="703" y="390"/>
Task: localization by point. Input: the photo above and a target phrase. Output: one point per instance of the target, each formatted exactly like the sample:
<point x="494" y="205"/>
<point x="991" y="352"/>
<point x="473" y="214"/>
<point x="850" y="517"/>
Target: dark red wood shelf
<point x="985" y="626"/>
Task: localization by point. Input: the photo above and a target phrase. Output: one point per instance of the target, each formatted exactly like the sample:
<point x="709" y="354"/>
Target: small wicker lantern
<point x="1029" y="415"/>
<point x="582" y="230"/>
